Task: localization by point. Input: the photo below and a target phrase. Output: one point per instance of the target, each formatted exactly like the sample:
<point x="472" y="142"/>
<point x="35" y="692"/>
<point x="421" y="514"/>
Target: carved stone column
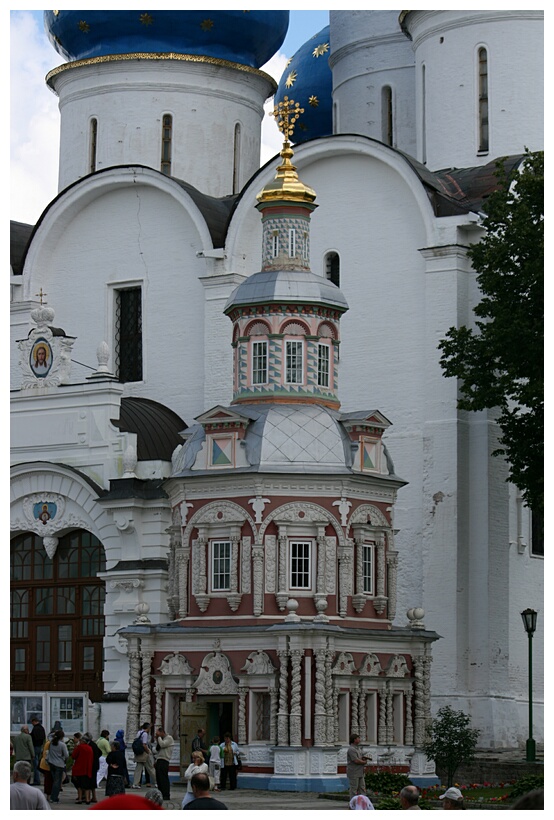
<point x="354" y="716"/>
<point x="258" y="578"/>
<point x="145" y="686"/>
<point x="158" y="718"/>
<point x="409" y="730"/>
<point x="336" y="714"/>
<point x="283" y="715"/>
<point x="296" y="701"/>
<point x="173" y="579"/>
<point x="392" y="575"/>
<point x="200" y="547"/>
<point x="419" y="700"/>
<point x="427" y="660"/>
<point x="273" y="698"/>
<point x="345" y="556"/>
<point x="359" y="599"/>
<point x="382" y="724"/>
<point x="330" y="721"/>
<point x="362" y="724"/>
<point x="182" y="561"/>
<point x="234" y="597"/>
<point x="319" y="710"/>
<point x="133" y="707"/>
<point x="379" y="602"/>
<point x="321" y="553"/>
<point x="389" y="714"/>
<point x="242" y="715"/>
<point x="282" y="595"/>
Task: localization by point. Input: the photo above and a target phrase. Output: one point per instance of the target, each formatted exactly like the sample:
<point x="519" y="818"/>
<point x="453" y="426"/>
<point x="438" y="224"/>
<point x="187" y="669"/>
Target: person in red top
<point x="81" y="772"/>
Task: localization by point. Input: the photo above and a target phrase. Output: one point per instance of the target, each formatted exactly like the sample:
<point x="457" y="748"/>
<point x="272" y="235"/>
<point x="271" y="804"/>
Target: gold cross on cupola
<point x="286" y="113"/>
<point x="41" y="295"/>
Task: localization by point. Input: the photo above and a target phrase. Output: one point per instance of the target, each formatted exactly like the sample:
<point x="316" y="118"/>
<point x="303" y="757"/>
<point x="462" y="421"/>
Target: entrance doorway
<point x="220" y="719"/>
<point x="216" y="717"/>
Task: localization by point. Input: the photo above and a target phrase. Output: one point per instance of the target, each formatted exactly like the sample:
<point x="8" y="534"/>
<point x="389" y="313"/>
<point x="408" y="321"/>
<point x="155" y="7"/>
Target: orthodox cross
<point x="42" y="295"/>
<point x="286" y="113"/>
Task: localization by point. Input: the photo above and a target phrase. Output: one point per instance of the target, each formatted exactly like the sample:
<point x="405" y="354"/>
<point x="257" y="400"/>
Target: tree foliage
<point x="450" y="741"/>
<point x="500" y="362"/>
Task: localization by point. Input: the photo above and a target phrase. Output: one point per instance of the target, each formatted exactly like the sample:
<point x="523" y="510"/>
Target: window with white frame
<point x="300" y="553"/>
<point x="367" y="567"/>
<point x="259" y="362"/>
<point x="323" y="357"/>
<point x="292" y="242"/>
<point x="221" y="565"/>
<point x="275" y="245"/>
<point x="262" y="716"/>
<point x="483" y="100"/>
<point x="294" y="362"/>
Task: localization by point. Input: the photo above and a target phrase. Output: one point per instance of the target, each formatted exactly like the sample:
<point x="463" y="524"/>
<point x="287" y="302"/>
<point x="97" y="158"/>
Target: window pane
<point x="259" y="363"/>
<point x="44" y="602"/>
<point x="323" y="365"/>
<point x="221" y="565"/>
<point x="128" y="334"/>
<point x="43" y="649"/>
<point x="368" y="568"/>
<point x="300" y="564"/>
<point x="294" y="362"/>
<point x="88" y="658"/>
<point x="19" y="660"/>
<point x="64" y="647"/>
<point x="65" y="600"/>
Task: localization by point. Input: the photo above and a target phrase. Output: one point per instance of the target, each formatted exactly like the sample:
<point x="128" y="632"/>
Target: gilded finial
<point x="286" y="113"/>
<point x="41" y="295"/>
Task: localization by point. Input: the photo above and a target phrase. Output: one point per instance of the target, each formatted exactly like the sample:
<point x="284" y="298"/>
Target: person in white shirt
<point x="22" y="795"/>
<point x="215" y="762"/>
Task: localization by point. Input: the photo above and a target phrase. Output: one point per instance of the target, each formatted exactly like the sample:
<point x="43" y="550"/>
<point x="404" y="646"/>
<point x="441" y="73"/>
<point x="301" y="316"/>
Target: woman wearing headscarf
<point x="197" y="766"/>
<point x="117" y="771"/>
<point x="81" y="771"/>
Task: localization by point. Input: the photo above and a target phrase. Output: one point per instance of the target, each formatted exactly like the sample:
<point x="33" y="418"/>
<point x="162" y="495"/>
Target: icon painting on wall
<point x="41" y="358"/>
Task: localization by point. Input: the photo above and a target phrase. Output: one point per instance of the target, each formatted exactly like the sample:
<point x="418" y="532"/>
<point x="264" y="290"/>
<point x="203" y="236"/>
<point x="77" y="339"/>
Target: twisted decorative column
<point x="382" y="724"/>
<point x="173" y="580"/>
<point x="362" y="724"/>
<point x="419" y="700"/>
<point x="359" y="599"/>
<point x="295" y="701"/>
<point x="390" y="717"/>
<point x="258" y="578"/>
<point x="182" y="560"/>
<point x="319" y="710"/>
<point x="133" y="706"/>
<point x="273" y="696"/>
<point x="283" y="716"/>
<point x="329" y="721"/>
<point x="354" y="720"/>
<point x="392" y="577"/>
<point x="145" y="690"/>
<point x="158" y="691"/>
<point x="380" y="600"/>
<point x="233" y="597"/>
<point x="345" y="557"/>
<point x="409" y="730"/>
<point x="427" y="660"/>
<point x="242" y="715"/>
<point x="202" y="597"/>
<point x="321" y="590"/>
<point x="282" y="594"/>
<point x="335" y="714"/>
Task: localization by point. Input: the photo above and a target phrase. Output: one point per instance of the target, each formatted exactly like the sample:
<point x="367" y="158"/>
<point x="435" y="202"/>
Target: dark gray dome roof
<point x="157" y="427"/>
<point x="286" y="286"/>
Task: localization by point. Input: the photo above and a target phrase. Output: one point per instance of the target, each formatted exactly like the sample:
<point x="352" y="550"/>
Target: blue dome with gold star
<point x="247" y="37"/>
<point x="307" y="79"/>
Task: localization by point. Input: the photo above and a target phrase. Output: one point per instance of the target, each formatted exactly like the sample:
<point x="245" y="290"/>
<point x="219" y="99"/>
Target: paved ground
<point x="238" y="800"/>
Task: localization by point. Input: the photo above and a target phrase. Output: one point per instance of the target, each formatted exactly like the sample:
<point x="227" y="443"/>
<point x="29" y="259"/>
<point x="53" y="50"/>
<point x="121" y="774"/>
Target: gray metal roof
<point x="157" y="427"/>
<point x="20" y="234"/>
<point x="286" y="286"/>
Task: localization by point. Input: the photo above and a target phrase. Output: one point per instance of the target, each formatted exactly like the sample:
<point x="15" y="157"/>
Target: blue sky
<point x="34" y="123"/>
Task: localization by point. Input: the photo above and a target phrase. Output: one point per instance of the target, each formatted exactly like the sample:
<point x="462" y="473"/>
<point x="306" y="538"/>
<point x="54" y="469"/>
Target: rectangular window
<point x="367" y="568"/>
<point x="537" y="533"/>
<point x="22" y="708"/>
<point x="93" y="139"/>
<point x="300" y="564"/>
<point x="88" y="658"/>
<point x="167" y="126"/>
<point x="323" y="365"/>
<point x="221" y="565"/>
<point x="292" y="242"/>
<point x="70" y="711"/>
<point x="128" y="334"/>
<point x="275" y="245"/>
<point x="294" y="355"/>
<point x="19" y="660"/>
<point x="43" y="649"/>
<point x="263" y="716"/>
<point x="64" y="647"/>
<point x="259" y="363"/>
<point x="483" y="100"/>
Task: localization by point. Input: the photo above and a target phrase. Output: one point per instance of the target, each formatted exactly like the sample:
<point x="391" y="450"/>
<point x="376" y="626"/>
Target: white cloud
<point x="34" y="128"/>
<point x="272" y="139"/>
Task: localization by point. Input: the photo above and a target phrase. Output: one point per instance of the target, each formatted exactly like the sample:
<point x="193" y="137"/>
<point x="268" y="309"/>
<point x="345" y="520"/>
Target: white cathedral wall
<point x="447" y="44"/>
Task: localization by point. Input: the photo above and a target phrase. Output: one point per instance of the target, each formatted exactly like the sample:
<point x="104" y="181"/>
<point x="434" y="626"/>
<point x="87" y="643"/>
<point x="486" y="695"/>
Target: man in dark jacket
<point x="38" y="736"/>
<point x="200" y="785"/>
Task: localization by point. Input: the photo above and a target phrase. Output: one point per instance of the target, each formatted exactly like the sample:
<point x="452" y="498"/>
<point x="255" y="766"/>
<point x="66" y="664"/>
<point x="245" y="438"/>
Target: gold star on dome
<point x="146" y="19"/>
<point x="291" y="79"/>
<point x="313" y="101"/>
<point x="84" y="26"/>
<point x="289" y="61"/>
<point x="320" y="50"/>
<point x="55" y="13"/>
<point x="207" y="25"/>
<point x="302" y="126"/>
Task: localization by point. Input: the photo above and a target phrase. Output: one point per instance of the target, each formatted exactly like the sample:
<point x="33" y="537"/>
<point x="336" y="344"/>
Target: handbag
<point x="239" y="763"/>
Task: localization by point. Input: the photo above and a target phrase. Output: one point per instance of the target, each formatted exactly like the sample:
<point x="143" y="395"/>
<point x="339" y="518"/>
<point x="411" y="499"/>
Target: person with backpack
<point x="143" y="756"/>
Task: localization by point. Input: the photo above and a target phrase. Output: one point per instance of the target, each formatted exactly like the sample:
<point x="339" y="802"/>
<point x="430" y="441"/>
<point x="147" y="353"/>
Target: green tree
<point x="500" y="362"/>
<point x="450" y="741"/>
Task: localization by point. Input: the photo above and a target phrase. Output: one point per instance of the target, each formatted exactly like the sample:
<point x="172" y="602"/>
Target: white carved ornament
<point x="215" y="676"/>
<point x="218" y="512"/>
<point x="302" y="513"/>
<point x="175" y="664"/>
<point x="371" y="665"/>
<point x="344" y="664"/>
<point x="368" y="514"/>
<point x="258" y="663"/>
<point x="397" y="667"/>
<point x="58" y="353"/>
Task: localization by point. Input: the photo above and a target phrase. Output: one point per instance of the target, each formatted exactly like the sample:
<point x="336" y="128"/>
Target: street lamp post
<point x="529" y="617"/>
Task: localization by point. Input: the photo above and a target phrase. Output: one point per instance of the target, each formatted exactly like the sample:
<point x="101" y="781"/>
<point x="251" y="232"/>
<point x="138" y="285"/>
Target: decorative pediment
<point x="344" y="664"/>
<point x="215" y="676"/>
<point x="222" y="418"/>
<point x="371" y="665"/>
<point x="369" y="514"/>
<point x="374" y="421"/>
<point x="175" y="664"/>
<point x="397" y="667"/>
<point x="258" y="663"/>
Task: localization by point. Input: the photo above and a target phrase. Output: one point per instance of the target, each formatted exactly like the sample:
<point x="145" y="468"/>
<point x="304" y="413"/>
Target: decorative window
<point x="292" y="242"/>
<point x="221" y="565"/>
<point x="262" y="728"/>
<point x="93" y="141"/>
<point x="483" y="101"/>
<point x="387" y="135"/>
<point x="294" y="363"/>
<point x="167" y="136"/>
<point x="128" y="334"/>
<point x="259" y="362"/>
<point x="275" y="244"/>
<point x="323" y="353"/>
<point x="332" y="268"/>
<point x="370" y="451"/>
<point x="221" y="451"/>
<point x="236" y="159"/>
<point x="300" y="564"/>
<point x="367" y="568"/>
